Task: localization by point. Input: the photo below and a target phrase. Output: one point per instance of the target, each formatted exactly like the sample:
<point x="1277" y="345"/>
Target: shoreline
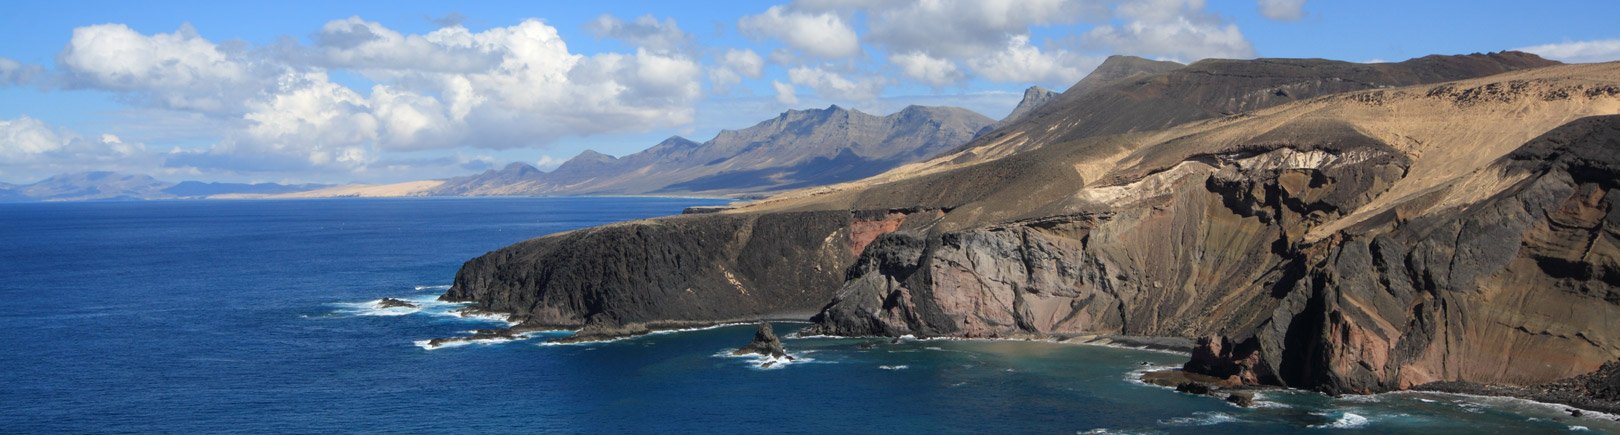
<point x="1577" y="406"/>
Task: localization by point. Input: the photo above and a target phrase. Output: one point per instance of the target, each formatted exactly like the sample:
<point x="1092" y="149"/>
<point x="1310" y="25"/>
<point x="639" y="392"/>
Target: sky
<point x="387" y="91"/>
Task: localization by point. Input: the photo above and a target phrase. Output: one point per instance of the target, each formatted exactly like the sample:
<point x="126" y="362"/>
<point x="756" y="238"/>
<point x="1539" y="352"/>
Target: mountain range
<point x="799" y="148"/>
<point x="108" y="186"/>
<point x="1335" y="226"/>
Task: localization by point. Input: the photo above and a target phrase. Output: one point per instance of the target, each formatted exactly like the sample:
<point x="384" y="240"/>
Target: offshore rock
<point x="765" y="343"/>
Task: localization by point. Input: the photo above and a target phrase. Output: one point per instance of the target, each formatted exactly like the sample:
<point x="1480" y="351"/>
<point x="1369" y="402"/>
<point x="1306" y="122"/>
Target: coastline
<point x="1576" y="405"/>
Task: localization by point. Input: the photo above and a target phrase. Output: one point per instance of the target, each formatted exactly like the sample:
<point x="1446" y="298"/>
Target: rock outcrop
<point x="395" y="303"/>
<point x="1326" y="225"/>
<point x="765" y="343"/>
<point x="1034" y="98"/>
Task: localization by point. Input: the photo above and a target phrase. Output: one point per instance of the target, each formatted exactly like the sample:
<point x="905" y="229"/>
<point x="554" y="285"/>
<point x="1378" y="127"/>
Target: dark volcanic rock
<point x="622" y="278"/>
<point x="1595" y="391"/>
<point x="765" y="343"/>
<point x="395" y="303"/>
<point x="1194" y="388"/>
<point x="1219" y="357"/>
<point x="1241" y="398"/>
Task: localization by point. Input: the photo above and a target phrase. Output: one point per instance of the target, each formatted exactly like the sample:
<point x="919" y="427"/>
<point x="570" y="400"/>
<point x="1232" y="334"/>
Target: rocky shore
<point x="1597" y="391"/>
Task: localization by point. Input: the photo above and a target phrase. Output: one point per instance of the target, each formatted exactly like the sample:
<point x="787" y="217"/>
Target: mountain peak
<point x="1118" y="67"/>
<point x="1034" y="98"/>
<point x="518" y="167"/>
<point x="588" y="155"/>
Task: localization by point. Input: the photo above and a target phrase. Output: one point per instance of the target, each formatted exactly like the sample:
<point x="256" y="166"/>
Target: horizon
<point x="379" y="93"/>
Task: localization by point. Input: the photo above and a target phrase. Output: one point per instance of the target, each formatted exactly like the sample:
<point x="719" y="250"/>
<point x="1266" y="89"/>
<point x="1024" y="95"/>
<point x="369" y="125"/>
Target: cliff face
<point x="1351" y="242"/>
<point x="692" y="268"/>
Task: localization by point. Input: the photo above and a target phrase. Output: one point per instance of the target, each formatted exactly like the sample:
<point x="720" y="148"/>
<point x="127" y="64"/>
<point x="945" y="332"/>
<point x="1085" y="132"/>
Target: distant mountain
<point x="798" y="148"/>
<point x="104" y="185"/>
<point x="198" y="189"/>
<point x="98" y="185"/>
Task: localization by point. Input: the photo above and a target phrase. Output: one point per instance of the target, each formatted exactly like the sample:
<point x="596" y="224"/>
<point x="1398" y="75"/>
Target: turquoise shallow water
<point x="256" y="317"/>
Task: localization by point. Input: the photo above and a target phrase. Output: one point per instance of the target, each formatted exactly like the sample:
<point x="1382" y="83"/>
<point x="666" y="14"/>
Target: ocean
<point x="259" y="316"/>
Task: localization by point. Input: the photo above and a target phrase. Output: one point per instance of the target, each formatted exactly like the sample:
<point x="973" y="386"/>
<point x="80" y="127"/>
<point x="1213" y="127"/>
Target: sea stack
<point x="765" y="343"/>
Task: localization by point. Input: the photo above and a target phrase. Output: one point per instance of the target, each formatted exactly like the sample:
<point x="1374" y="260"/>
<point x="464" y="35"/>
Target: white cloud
<point x="1602" y="50"/>
<point x="504" y="87"/>
<point x="30" y="149"/>
<point x="177" y="70"/>
<point x="785" y="93"/>
<point x="1283" y="10"/>
<point x="823" y="34"/>
<point x="928" y="69"/>
<point x="1178" y="29"/>
<point x="25" y="137"/>
<point x="366" y="45"/>
<point x="1020" y="62"/>
<point x="832" y="85"/>
<point x="930" y="41"/>
<point x="734" y="65"/>
<point x="646" y="32"/>
<point x="967" y="28"/>
<point x="14" y="73"/>
<point x="547" y="162"/>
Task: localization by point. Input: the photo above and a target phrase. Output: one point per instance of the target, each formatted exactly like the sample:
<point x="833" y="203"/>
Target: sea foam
<point x="1346" y="420"/>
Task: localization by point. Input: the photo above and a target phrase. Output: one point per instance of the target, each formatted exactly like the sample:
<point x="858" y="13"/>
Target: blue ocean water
<point x="256" y="316"/>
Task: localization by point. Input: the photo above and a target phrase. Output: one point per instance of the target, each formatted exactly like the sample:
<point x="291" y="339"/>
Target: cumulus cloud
<point x="1603" y="50"/>
<point x="13" y="73"/>
<point x="646" y="31"/>
<point x="931" y="41"/>
<point x="179" y="70"/>
<point x="822" y="34"/>
<point x="31" y="149"/>
<point x="1021" y="62"/>
<point x="927" y="69"/>
<point x="1283" y="10"/>
<point x="785" y="93"/>
<point x="832" y="85"/>
<point x="504" y="87"/>
<point x="369" y="46"/>
<point x="734" y="65"/>
<point x="967" y="28"/>
<point x="547" y="162"/>
<point x="1178" y="29"/>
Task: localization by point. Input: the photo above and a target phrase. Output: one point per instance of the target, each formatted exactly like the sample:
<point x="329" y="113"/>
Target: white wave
<point x="1264" y="400"/>
<point x="374" y="308"/>
<point x="1135" y="375"/>
<point x="758" y="362"/>
<point x="1579" y="428"/>
<point x="441" y="287"/>
<point x="1346" y="420"/>
<point x="697" y="328"/>
<point x="428" y="344"/>
<point x="1202" y="418"/>
<point x="895" y="367"/>
<point x="1477" y="404"/>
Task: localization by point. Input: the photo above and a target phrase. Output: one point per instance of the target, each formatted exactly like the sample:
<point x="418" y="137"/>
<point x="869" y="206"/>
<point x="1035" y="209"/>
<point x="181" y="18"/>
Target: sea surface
<point x="259" y="316"/>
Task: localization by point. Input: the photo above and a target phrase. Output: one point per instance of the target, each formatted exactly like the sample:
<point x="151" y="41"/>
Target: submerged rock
<point x="765" y="343"/>
<point x="395" y="303"/>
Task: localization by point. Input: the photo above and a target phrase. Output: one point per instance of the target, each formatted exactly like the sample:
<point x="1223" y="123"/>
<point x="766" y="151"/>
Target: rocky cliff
<point x="1341" y="227"/>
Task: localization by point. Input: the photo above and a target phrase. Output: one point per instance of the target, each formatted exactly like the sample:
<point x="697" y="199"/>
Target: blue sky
<point x="377" y="91"/>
